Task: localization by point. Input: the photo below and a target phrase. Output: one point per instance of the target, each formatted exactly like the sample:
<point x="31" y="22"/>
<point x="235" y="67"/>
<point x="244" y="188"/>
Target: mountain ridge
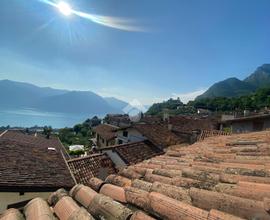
<point x="234" y="87"/>
<point x="26" y="95"/>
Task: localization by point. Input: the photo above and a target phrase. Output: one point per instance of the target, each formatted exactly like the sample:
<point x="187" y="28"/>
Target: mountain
<point x="231" y="87"/>
<point x="261" y="77"/>
<point x="18" y="95"/>
<point x="234" y="87"/>
<point x="116" y="103"/>
<point x="124" y="106"/>
<point x="74" y="102"/>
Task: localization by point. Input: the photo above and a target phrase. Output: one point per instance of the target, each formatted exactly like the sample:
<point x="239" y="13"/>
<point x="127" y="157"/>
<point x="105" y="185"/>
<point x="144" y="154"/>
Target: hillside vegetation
<point x="234" y="87"/>
<point x="255" y="101"/>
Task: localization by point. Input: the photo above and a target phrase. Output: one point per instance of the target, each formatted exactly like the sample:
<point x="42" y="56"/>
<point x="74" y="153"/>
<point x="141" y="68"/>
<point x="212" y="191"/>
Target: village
<point x="170" y="167"/>
<point x="134" y="110"/>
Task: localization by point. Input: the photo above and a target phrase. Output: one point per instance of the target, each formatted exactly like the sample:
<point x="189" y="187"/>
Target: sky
<point x="171" y="48"/>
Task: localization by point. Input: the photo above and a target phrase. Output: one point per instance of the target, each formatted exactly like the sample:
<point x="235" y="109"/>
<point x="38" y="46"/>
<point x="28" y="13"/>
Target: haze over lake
<point x="32" y="117"/>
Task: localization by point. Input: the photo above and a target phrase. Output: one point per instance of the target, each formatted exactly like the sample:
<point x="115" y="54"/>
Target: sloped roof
<point x="220" y="178"/>
<point x="106" y="131"/>
<point x="95" y="165"/>
<point x="159" y="135"/>
<point x="135" y="152"/>
<point x="119" y="120"/>
<point x="30" y="163"/>
<point x="187" y="124"/>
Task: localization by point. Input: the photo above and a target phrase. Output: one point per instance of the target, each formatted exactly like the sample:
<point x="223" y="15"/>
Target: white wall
<point x="133" y="136"/>
<point x="8" y="198"/>
<point x="115" y="158"/>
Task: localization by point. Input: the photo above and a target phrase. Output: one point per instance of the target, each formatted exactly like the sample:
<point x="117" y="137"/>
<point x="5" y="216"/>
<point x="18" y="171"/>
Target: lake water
<point x="31" y="117"/>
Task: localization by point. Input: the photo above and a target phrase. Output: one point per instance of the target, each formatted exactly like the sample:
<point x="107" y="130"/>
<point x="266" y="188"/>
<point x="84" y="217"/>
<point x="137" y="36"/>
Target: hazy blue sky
<point x="186" y="45"/>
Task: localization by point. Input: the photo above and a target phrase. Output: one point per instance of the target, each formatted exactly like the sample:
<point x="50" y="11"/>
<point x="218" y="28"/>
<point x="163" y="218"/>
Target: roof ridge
<point x="81" y="158"/>
<point x="120" y="145"/>
<point x="71" y="173"/>
<point x="3" y="133"/>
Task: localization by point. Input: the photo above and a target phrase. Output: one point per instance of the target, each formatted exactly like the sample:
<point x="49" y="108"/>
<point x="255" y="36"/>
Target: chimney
<point x="246" y="113"/>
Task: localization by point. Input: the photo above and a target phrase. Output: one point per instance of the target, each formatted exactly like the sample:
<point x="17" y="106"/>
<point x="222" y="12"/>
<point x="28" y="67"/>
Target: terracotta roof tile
<point x="159" y="135"/>
<point x="187" y="124"/>
<point x="192" y="191"/>
<point x="95" y="165"/>
<point x="106" y="131"/>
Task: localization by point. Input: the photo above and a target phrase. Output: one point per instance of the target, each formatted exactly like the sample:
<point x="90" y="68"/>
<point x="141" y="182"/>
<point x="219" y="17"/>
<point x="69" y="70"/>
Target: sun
<point x="64" y="8"/>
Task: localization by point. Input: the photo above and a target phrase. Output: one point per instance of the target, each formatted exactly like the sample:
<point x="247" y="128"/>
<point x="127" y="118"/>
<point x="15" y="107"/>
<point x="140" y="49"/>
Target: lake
<point x="32" y="117"/>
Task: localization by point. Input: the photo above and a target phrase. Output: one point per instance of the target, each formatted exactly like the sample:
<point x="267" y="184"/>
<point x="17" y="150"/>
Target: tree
<point x="77" y="128"/>
<point x="47" y="130"/>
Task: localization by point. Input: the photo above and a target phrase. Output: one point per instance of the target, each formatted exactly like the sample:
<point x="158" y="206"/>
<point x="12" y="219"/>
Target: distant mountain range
<point x="18" y="95"/>
<point x="234" y="87"/>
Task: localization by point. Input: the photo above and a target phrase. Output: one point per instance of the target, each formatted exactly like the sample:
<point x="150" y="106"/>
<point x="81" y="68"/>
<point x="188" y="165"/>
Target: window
<point x="125" y="133"/>
<point x="120" y="142"/>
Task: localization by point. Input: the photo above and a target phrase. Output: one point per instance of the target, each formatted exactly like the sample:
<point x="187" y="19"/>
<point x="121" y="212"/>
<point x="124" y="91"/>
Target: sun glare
<point x="112" y="22"/>
<point x="64" y="8"/>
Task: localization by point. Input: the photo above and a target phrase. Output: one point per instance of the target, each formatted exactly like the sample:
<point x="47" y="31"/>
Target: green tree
<point x="47" y="131"/>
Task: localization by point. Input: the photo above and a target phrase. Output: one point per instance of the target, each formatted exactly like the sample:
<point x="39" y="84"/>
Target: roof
<point x="159" y="135"/>
<point x="149" y="119"/>
<point x="119" y="120"/>
<point x="29" y="163"/>
<point x="135" y="152"/>
<point x="187" y="124"/>
<point x="95" y="165"/>
<point x="220" y="178"/>
<point x="106" y="131"/>
<point x="248" y="118"/>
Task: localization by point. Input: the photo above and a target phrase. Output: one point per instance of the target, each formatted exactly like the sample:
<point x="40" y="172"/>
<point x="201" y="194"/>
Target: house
<point x="30" y="166"/>
<point x="119" y="120"/>
<point x="131" y="153"/>
<point x="190" y="127"/>
<point x="250" y="123"/>
<point x="158" y="134"/>
<point x="225" y="177"/>
<point x="105" y="135"/>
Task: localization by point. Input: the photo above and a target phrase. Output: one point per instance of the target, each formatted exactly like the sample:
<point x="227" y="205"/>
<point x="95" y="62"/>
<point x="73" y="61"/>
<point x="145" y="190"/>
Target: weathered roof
<point x="220" y="178"/>
<point x="95" y="165"/>
<point x="106" y="131"/>
<point x="119" y="120"/>
<point x="187" y="124"/>
<point x="30" y="163"/>
<point x="152" y="119"/>
<point x="159" y="135"/>
<point x="135" y="152"/>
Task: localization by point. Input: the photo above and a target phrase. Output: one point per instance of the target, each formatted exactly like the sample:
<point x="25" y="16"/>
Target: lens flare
<point x="112" y="22"/>
<point x="64" y="8"/>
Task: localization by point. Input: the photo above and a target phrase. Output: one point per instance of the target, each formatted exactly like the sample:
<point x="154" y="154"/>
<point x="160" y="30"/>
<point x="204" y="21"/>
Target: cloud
<point x="189" y="96"/>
